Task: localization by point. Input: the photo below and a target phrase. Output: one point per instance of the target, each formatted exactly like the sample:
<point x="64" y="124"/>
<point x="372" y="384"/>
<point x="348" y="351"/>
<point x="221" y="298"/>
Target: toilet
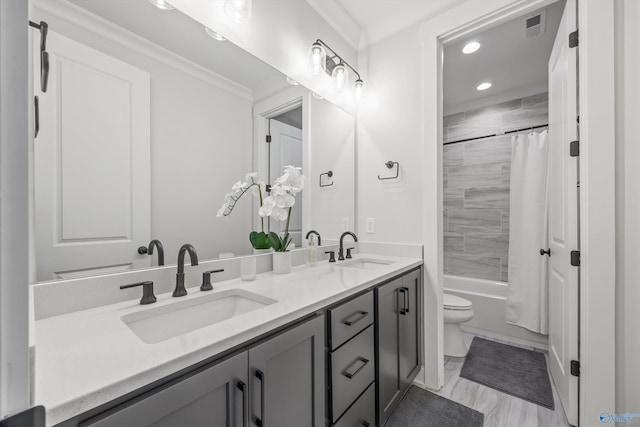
<point x="456" y="311"/>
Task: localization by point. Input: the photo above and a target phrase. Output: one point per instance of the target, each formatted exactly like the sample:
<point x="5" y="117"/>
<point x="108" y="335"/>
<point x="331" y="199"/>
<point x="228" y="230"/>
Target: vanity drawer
<point x="362" y="413"/>
<point x="349" y="318"/>
<point x="352" y="370"/>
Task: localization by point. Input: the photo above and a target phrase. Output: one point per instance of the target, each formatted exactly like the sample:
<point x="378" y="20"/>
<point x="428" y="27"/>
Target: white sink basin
<point x="162" y="323"/>
<point x="365" y="263"/>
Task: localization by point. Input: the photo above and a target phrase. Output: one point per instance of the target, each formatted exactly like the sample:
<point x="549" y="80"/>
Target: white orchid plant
<point x="259" y="240"/>
<point x="278" y="205"/>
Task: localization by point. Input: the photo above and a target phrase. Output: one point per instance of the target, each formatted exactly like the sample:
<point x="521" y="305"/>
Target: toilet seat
<point x="453" y="302"/>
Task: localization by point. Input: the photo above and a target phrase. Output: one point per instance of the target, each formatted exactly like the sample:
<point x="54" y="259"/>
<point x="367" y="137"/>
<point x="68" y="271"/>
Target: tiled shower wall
<point x="476" y="185"/>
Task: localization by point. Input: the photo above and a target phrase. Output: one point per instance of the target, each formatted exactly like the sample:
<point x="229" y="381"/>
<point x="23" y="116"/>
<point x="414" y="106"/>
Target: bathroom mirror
<point x="147" y="123"/>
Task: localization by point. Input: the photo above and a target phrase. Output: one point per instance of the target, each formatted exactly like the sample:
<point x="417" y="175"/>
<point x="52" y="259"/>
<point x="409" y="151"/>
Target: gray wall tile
<point x="475" y="220"/>
<point x="477" y="179"/>
<point x="474" y="266"/>
<point x="487" y="197"/>
<point x="480" y="175"/>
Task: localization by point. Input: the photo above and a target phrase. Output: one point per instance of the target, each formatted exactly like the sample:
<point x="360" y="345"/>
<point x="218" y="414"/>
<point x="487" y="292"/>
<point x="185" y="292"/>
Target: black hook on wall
<point x="329" y="174"/>
<point x="390" y="164"/>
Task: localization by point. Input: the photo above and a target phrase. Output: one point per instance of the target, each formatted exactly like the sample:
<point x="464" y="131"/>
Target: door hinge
<point x="573" y="39"/>
<point x="575" y="258"/>
<point x="268" y="138"/>
<point x="574" y="148"/>
<point x="575" y="368"/>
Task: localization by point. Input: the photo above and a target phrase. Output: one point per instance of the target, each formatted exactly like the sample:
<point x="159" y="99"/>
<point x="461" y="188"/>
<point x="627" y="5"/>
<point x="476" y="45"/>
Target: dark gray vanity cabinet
<point x="351" y="362"/>
<point x="277" y="382"/>
<point x="287" y="386"/>
<point x="398" y="340"/>
<point x="215" y="396"/>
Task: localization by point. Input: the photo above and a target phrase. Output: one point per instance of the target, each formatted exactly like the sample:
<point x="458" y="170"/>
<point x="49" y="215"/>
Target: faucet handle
<point x="206" y="279"/>
<point x="349" y="253"/>
<point x="332" y="256"/>
<point x="147" y="291"/>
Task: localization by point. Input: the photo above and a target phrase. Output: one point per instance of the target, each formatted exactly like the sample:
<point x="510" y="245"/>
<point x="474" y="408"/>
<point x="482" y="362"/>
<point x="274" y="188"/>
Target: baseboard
<point x="519" y="342"/>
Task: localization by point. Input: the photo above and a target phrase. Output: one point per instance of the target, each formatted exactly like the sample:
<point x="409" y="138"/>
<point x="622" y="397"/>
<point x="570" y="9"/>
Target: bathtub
<point x="489" y="300"/>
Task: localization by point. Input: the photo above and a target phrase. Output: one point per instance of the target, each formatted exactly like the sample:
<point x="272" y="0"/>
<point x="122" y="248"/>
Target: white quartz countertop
<point x="87" y="358"/>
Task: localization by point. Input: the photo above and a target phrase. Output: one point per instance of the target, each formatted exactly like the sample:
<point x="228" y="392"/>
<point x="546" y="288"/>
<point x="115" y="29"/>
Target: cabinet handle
<point x="365" y="424"/>
<point x="36" y="116"/>
<point x="350" y="375"/>
<point x="407" y="302"/>
<point x="402" y="309"/>
<point x="242" y="387"/>
<point x="260" y="376"/>
<point x="361" y="315"/>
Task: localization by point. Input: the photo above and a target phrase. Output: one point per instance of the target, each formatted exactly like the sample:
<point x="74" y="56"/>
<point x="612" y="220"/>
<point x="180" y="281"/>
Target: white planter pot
<point x="282" y="262"/>
<point x="261" y="251"/>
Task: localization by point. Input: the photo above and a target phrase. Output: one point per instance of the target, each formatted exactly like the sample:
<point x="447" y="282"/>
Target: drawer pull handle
<point x="349" y="374"/>
<point x="405" y="301"/>
<point x="359" y="315"/>
<point x="242" y="388"/>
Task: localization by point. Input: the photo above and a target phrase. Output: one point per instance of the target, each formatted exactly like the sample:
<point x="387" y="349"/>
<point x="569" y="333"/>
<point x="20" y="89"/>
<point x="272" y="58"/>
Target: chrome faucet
<point x="341" y="250"/>
<point x="316" y="233"/>
<point x="180" y="291"/>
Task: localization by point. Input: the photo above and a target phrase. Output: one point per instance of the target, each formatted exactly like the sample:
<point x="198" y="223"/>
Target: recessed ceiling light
<point x="484" y="86"/>
<point x="471" y="47"/>
<point x="161" y="4"/>
<point x="214" y="35"/>
<point x="291" y="81"/>
<point x="316" y="96"/>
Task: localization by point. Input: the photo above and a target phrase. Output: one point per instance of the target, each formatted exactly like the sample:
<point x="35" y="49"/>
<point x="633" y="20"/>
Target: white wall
<point x="201" y="137"/>
<point x="627" y="206"/>
<point x="14" y="207"/>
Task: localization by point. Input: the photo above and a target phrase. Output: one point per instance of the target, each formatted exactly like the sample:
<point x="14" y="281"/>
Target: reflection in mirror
<point x="146" y="124"/>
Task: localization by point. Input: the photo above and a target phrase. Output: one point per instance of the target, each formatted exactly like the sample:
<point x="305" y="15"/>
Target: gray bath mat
<point x="512" y="370"/>
<point x="420" y="408"/>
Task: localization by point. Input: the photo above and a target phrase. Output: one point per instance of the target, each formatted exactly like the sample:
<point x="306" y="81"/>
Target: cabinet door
<point x="287" y="378"/>
<point x="409" y="295"/>
<point x="215" y="397"/>
<point x="389" y="389"/>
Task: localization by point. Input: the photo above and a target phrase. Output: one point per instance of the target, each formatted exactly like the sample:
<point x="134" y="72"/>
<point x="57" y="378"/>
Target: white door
<point x="286" y="149"/>
<point x="563" y="214"/>
<point x="91" y="161"/>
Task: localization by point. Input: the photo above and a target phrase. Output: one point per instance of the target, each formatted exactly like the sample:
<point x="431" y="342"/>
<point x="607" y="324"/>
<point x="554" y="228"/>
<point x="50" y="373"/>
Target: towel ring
<point x="390" y="164"/>
<point x="329" y="174"/>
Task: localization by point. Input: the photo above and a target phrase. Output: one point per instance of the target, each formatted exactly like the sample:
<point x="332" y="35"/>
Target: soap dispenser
<point x="312" y="257"/>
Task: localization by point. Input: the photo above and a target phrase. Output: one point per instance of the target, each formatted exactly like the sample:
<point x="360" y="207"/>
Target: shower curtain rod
<point x="497" y="134"/>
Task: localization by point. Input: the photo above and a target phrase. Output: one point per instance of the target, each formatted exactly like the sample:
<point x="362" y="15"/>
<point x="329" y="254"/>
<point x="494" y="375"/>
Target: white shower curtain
<point x="527" y="296"/>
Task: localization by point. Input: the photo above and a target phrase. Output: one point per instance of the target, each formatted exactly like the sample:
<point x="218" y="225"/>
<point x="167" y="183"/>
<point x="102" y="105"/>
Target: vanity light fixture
<point x="484" y="86"/>
<point x="214" y="35"/>
<point x="238" y="10"/>
<point x="322" y="58"/>
<point x="470" y="47"/>
<point x="161" y="4"/>
<point x="292" y="82"/>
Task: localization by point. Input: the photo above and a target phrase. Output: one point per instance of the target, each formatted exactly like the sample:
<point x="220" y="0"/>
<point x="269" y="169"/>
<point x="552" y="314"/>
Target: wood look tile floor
<point x="499" y="409"/>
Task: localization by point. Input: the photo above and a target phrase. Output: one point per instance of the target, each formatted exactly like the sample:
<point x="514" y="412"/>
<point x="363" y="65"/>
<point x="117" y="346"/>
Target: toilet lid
<point x="453" y="302"/>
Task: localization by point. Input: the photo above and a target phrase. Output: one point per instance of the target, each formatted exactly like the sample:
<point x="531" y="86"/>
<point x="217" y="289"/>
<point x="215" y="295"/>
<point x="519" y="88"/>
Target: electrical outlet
<point x="371" y="225"/>
<point x="345" y="224"/>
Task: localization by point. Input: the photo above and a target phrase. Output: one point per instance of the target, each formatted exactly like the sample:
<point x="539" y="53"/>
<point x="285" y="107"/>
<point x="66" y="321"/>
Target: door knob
<point x="548" y="252"/>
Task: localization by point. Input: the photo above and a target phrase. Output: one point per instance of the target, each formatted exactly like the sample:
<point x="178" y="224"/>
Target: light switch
<point x="371" y="225"/>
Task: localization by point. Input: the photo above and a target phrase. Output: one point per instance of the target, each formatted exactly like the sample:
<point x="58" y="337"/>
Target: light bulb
<point x="161" y="4"/>
<point x="358" y="88"/>
<point x="317" y="58"/>
<point x="471" y="47"/>
<point x="238" y="10"/>
<point x="484" y="86"/>
<point x="214" y="35"/>
<point x="340" y="75"/>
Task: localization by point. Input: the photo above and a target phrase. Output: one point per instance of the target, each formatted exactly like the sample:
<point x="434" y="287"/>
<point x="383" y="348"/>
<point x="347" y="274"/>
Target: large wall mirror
<point x="146" y="124"/>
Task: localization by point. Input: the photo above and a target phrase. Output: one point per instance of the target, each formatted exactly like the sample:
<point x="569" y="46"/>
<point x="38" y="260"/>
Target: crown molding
<point x="77" y="16"/>
<point x="336" y="15"/>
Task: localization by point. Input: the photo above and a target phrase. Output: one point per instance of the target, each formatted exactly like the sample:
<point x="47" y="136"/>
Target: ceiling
<point x="187" y="38"/>
<point x="506" y="58"/>
<point x="364" y="22"/>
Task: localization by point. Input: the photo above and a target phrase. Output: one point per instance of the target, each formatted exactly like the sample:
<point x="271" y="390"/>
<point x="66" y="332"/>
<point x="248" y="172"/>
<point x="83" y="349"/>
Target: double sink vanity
<point x="337" y="344"/>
